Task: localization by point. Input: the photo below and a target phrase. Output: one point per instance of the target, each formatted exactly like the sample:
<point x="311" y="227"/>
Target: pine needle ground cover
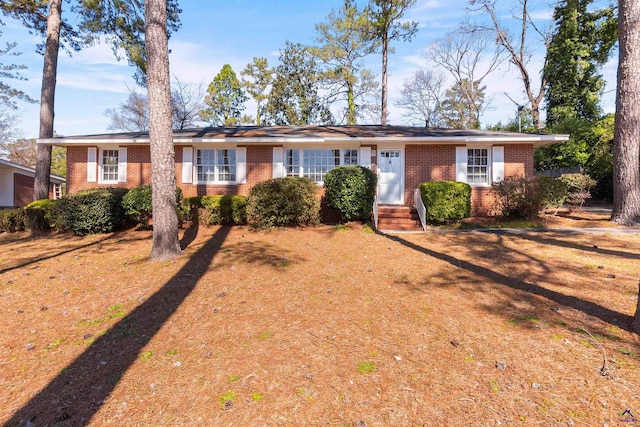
<point x="320" y="326"/>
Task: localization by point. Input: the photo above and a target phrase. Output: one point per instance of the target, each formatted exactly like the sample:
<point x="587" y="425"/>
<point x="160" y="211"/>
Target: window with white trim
<point x="109" y="163"/>
<point x="315" y="163"/>
<point x="478" y="166"/>
<point x="214" y="166"/>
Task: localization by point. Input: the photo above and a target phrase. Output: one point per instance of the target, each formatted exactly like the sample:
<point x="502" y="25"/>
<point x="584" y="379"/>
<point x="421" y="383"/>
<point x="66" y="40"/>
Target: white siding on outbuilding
<point x="6" y="187"/>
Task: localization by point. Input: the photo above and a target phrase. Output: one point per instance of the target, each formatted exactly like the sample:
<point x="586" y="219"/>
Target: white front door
<point x="390" y="177"/>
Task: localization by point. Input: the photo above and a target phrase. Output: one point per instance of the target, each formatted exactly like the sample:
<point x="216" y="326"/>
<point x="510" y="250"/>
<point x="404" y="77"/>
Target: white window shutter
<point x="92" y="164"/>
<point x="241" y="165"/>
<point x="365" y="157"/>
<point x="122" y="165"/>
<point x="278" y="162"/>
<point x="461" y="164"/>
<point x="187" y="165"/>
<point x="497" y="163"/>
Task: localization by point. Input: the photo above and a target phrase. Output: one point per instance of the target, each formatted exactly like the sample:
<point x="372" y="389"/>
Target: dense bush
<point x="521" y="197"/>
<point x="283" y="202"/>
<point x="12" y="220"/>
<point x="578" y="188"/>
<point x="446" y="201"/>
<point x="225" y="209"/>
<point x="40" y="215"/>
<point x="92" y="211"/>
<point x="553" y="191"/>
<point x="351" y="190"/>
<point x="138" y="205"/>
<point x="516" y="196"/>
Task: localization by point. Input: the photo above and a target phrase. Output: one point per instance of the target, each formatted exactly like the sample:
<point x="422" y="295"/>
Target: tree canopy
<point x="225" y="100"/>
<point x="295" y="96"/>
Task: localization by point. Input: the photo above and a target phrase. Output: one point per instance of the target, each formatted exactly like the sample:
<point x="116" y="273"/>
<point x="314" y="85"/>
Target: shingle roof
<point x="314" y="133"/>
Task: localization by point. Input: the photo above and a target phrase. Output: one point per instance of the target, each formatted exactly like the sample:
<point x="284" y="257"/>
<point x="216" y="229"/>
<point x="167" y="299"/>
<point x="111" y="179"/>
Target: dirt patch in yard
<point x="322" y="326"/>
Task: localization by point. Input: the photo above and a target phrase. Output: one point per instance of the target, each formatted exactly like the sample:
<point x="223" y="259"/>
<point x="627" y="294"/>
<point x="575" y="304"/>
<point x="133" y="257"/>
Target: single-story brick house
<point x="231" y="160"/>
<point x="16" y="185"/>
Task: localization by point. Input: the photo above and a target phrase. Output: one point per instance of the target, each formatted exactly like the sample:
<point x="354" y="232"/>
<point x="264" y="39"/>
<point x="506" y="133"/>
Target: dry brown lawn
<point x="323" y="326"/>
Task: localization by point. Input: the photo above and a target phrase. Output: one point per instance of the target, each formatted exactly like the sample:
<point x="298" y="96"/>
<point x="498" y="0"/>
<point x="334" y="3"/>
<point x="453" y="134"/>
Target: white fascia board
<point x="93" y="141"/>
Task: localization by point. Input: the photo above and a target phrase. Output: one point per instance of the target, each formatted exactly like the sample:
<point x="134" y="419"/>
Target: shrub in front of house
<point x="12" y="220"/>
<point x="225" y="209"/>
<point x="446" y="201"/>
<point x="92" y="211"/>
<point x="281" y="202"/>
<point x="351" y="190"/>
<point x="579" y="187"/>
<point x="521" y="197"/>
<point x="40" y="215"/>
<point x="514" y="196"/>
<point x="554" y="191"/>
<point x="138" y="205"/>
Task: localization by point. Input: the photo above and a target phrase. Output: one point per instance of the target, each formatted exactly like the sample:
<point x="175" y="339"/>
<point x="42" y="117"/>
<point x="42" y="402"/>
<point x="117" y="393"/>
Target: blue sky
<point x="233" y="32"/>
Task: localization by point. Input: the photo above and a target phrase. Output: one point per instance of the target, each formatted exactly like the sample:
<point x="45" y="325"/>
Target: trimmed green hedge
<point x="351" y="190"/>
<point x="446" y="201"/>
<point x="280" y="202"/>
<point x="41" y="215"/>
<point x="12" y="220"/>
<point x="92" y="211"/>
<point x="138" y="205"/>
<point x="225" y="209"/>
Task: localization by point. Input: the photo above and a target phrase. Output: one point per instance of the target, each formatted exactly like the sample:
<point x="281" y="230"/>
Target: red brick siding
<point x="22" y="190"/>
<point x="77" y="170"/>
<point x="518" y="160"/>
<point x="422" y="163"/>
<point x="438" y="162"/>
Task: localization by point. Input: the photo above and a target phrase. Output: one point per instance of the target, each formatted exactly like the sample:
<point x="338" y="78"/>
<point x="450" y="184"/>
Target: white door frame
<point x="400" y="199"/>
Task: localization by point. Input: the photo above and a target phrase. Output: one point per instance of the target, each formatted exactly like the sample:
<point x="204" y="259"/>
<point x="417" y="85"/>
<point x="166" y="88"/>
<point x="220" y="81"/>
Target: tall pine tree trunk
<point x="385" y="51"/>
<point x="626" y="147"/>
<point x="163" y="175"/>
<point x="47" y="100"/>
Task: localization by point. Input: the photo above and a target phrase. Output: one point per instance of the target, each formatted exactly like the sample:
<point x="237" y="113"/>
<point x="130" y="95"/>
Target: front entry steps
<point x="398" y="218"/>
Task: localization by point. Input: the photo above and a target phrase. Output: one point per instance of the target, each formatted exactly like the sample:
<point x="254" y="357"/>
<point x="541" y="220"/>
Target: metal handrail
<point x="418" y="204"/>
<point x="375" y="212"/>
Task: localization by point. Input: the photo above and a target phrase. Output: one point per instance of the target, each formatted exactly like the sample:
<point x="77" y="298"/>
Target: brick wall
<point x="438" y="163"/>
<point x="422" y="163"/>
<point x="22" y="190"/>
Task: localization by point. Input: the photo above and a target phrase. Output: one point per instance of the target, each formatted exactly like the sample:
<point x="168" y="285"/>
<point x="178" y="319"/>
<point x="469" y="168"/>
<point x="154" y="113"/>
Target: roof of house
<point x="31" y="171"/>
<point x="316" y="134"/>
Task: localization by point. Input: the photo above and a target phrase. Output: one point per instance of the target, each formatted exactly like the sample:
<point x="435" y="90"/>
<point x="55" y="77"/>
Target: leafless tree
<point x="420" y="96"/>
<point x="469" y="57"/>
<point x="186" y="103"/>
<point x="518" y="46"/>
<point x="132" y="115"/>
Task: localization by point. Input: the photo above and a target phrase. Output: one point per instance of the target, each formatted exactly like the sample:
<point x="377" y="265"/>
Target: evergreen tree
<point x="342" y="47"/>
<point x="294" y="98"/>
<point x="225" y="101"/>
<point x="256" y="78"/>
<point x="386" y="25"/>
<point x="120" y="21"/>
<point x="581" y="44"/>
<point x="455" y="109"/>
<point x="165" y="244"/>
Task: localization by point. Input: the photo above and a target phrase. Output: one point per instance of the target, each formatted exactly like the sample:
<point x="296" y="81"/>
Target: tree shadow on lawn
<point x="76" y="394"/>
<point x="540" y="237"/>
<point x="111" y="238"/>
<point x="607" y="315"/>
